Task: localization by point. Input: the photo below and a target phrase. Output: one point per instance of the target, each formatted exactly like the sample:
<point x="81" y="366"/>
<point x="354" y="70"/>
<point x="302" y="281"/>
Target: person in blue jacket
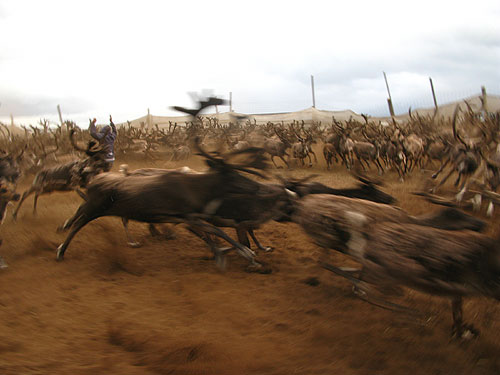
<point x="106" y="137"/>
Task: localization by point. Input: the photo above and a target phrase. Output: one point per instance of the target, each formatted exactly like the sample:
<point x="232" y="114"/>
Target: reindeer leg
<point x="26" y="194"/>
<point x="379" y="166"/>
<point x="400" y="172"/>
<point x="258" y="244"/>
<point x="3" y="264"/>
<point x="343" y="160"/>
<point x="69" y="222"/>
<point x="346" y="273"/>
<point x="411" y="165"/>
<point x="459" y="329"/>
<point x="241" y="249"/>
<point x="153" y="231"/>
<point x="362" y="165"/>
<point x="219" y="254"/>
<point x="433" y="190"/>
<point x="272" y="159"/>
<point x="361" y="289"/>
<point x="284" y="161"/>
<point x="130" y="240"/>
<point x="435" y="174"/>
<point x="315" y="158"/>
<point x="81" y="194"/>
<point x="35" y="201"/>
<point x="241" y="233"/>
<point x="463" y="189"/>
<point x="79" y="224"/>
<point x="242" y="236"/>
<point x="350" y="161"/>
<point x="489" y="211"/>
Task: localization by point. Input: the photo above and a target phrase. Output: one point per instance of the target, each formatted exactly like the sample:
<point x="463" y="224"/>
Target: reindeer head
<point x="7" y="195"/>
<point x="9" y="166"/>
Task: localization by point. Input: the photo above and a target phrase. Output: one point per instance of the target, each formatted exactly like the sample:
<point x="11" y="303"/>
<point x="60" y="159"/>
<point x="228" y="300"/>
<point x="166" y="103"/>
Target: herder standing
<point x="106" y="137"/>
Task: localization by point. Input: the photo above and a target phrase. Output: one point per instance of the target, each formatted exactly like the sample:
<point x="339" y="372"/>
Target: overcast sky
<point x="122" y="57"/>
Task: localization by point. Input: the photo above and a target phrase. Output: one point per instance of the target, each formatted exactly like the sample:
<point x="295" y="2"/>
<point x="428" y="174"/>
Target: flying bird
<point x="202" y="104"/>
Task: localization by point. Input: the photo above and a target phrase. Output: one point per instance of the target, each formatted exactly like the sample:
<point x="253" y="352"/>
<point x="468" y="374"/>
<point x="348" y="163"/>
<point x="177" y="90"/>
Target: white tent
<point x="312" y="114"/>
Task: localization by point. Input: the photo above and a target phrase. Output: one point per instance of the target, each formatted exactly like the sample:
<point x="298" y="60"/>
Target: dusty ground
<point x="166" y="309"/>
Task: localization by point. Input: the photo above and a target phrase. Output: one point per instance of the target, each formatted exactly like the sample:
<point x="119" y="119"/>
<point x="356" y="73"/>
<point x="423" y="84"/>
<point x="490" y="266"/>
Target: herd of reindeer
<point x="443" y="253"/>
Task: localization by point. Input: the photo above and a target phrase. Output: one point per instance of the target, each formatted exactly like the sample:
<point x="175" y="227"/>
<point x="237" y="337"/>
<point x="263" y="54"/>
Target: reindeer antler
<point x="456" y="135"/>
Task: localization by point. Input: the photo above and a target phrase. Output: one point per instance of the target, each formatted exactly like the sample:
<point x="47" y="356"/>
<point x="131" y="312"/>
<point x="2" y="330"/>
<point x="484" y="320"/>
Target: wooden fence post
<point x="63" y="128"/>
<point x="434" y="97"/>
<point x="312" y="88"/>
<point x="484" y="101"/>
<point x="389" y="100"/>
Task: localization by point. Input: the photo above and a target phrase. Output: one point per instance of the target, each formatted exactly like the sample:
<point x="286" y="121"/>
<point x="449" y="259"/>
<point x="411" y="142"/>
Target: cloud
<point x="124" y="57"/>
<point x="40" y="105"/>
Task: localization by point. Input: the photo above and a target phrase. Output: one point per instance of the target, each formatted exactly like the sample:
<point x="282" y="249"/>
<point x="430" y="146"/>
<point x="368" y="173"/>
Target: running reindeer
<point x="432" y="253"/>
<point x="71" y="176"/>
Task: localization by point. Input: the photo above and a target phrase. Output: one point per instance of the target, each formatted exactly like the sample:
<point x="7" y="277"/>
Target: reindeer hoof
<point x="3" y="264"/>
<point x="220" y="257"/>
<point x="134" y="245"/>
<point x="465" y="332"/>
<point x="267" y="249"/>
<point x="59" y="254"/>
<point x="64" y="227"/>
<point x="357" y="291"/>
<point x="221" y="261"/>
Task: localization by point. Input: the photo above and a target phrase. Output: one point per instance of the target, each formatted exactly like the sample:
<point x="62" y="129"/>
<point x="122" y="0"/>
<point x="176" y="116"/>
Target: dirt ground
<point x="166" y="309"/>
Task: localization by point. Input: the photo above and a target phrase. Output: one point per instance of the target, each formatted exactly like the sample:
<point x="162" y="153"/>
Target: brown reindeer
<point x="239" y="211"/>
<point x="71" y="176"/>
<point x="10" y="170"/>
<point x="391" y="245"/>
<point x="465" y="159"/>
<point x="303" y="148"/>
<point x="175" y="197"/>
<point x="329" y="153"/>
<point x="277" y="147"/>
<point x="368" y="151"/>
<point x="7" y="195"/>
<point x="435" y="261"/>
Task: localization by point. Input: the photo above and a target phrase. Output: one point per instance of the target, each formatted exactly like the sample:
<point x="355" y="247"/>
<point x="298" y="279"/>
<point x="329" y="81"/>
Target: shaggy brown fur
<point x="419" y="252"/>
<point x="175" y="197"/>
<point x="432" y="260"/>
<point x="323" y="217"/>
<point x="67" y="177"/>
